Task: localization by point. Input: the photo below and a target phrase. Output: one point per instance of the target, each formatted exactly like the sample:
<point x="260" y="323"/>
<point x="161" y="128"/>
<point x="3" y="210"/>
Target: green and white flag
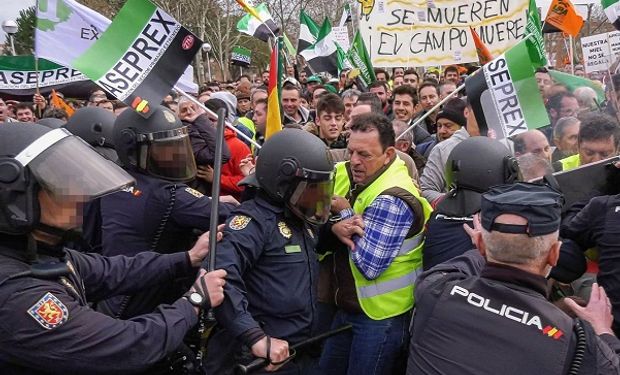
<point x="65" y="29"/>
<point x="360" y="59"/>
<point x="533" y="30"/>
<point x="504" y="94"/>
<point x="308" y="31"/>
<point x="19" y="76"/>
<point x="140" y="56"/>
<point x="241" y="56"/>
<point x="573" y="82"/>
<point x="322" y="56"/>
<point x="343" y="60"/>
<point x="612" y="11"/>
<point x="346" y="15"/>
<point x="248" y="24"/>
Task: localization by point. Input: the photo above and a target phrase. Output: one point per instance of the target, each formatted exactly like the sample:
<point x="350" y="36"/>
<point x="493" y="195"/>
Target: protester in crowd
<point x="294" y="114"/>
<point x="391" y="211"/>
<point x="565" y="138"/>
<point x="108" y="106"/>
<point x="432" y="74"/>
<point x="587" y="99"/>
<point x="532" y="142"/>
<point x="330" y="120"/>
<point x="446" y="88"/>
<point x="95" y="96"/>
<point x="398" y="72"/>
<point x="265" y="77"/>
<point x="560" y="105"/>
<point x="56" y="113"/>
<point x="411" y="78"/>
<point x="406" y="145"/>
<point x="544" y="81"/>
<point x="428" y="96"/>
<point x="533" y="167"/>
<point x="451" y="74"/>
<point x="316" y="95"/>
<point x="24" y="112"/>
<point x="349" y="98"/>
<point x="243" y="99"/>
<point x="403" y="107"/>
<point x="260" y="119"/>
<point x="4" y="112"/>
<point x="381" y="89"/>
<point x="382" y="75"/>
<point x="398" y="81"/>
<point x="312" y="82"/>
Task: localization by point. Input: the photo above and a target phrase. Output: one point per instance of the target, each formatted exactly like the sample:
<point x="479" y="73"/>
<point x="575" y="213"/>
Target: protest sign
<point x="19" y="76"/>
<point x="436" y="32"/>
<point x="596" y="52"/>
<point x="341" y="34"/>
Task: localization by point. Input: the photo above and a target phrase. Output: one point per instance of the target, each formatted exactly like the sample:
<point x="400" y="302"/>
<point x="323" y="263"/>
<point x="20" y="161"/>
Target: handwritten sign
<point x="341" y="34"/>
<point x="436" y="32"/>
<point x="596" y="52"/>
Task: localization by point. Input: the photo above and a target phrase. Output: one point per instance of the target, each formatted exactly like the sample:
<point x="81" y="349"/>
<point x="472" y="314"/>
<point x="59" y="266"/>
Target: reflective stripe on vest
<point x="390" y="294"/>
<point x="570" y="162"/>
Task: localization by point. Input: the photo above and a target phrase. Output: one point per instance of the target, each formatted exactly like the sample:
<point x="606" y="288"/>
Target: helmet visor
<point x="169" y="155"/>
<point x="311" y="201"/>
<point x="71" y="169"/>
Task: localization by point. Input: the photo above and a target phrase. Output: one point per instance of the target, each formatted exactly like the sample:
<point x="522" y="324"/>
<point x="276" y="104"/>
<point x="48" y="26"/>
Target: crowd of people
<point x="428" y="245"/>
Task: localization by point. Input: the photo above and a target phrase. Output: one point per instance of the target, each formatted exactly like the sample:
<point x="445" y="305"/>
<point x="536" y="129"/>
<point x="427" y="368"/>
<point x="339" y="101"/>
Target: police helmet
<point x="51" y="122"/>
<point x="158" y="146"/>
<point x="34" y="157"/>
<point x="473" y="166"/>
<point x="94" y="125"/>
<point x="294" y="167"/>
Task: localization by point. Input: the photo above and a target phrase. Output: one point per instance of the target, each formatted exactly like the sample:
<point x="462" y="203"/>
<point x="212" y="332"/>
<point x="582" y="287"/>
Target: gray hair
<point x="562" y="124"/>
<point x="350" y="93"/>
<point x="533" y="166"/>
<point x="586" y="96"/>
<point x="399" y="128"/>
<point x="518" y="249"/>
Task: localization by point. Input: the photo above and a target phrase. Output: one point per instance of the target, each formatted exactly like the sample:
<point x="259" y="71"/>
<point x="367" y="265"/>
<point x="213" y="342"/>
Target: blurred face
<point x="403" y="107"/>
<point x="243" y="105"/>
<point x="398" y="81"/>
<point x="265" y="77"/>
<point x="399" y="72"/>
<point x="446" y="89"/>
<point x="568" y="142"/>
<point x="431" y="76"/>
<point x="544" y="82"/>
<point x="381" y="93"/>
<point x="3" y="111"/>
<point x="367" y="155"/>
<point x="316" y="95"/>
<point x="62" y="213"/>
<point x="451" y="76"/>
<point x="537" y="144"/>
<point x="570" y="107"/>
<point x="260" y="117"/>
<point x="411" y="80"/>
<point x="597" y="150"/>
<point x="428" y="97"/>
<point x="290" y="102"/>
<point x="258" y="95"/>
<point x="186" y="109"/>
<point x="24" y="115"/>
<point x="381" y="77"/>
<point x="445" y="128"/>
<point x="349" y="103"/>
<point x="303" y="76"/>
<point x="330" y="125"/>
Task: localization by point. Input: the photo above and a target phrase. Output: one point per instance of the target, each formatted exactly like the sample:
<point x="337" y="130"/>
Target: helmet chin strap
<point x="59" y="237"/>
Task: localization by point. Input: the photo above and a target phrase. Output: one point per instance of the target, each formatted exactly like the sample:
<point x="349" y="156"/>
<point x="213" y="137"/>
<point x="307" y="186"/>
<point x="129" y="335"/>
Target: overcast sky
<point x="11" y="8"/>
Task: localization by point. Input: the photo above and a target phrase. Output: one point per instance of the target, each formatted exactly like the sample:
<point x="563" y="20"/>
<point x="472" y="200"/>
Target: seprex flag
<point x="140" y="56"/>
<point x="19" y="76"/>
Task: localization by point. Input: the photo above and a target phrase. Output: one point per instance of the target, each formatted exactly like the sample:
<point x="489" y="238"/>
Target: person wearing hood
<point x="231" y="108"/>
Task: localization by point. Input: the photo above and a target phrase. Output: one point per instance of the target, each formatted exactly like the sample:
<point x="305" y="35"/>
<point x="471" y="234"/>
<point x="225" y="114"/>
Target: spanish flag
<point x="484" y="55"/>
<point x="563" y="17"/>
<point x="274" y="118"/>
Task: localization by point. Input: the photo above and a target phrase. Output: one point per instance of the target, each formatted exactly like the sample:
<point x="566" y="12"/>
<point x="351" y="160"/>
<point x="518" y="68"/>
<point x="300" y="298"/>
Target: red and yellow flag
<point x="484" y="55"/>
<point x="57" y="102"/>
<point x="274" y="117"/>
<point x="563" y="17"/>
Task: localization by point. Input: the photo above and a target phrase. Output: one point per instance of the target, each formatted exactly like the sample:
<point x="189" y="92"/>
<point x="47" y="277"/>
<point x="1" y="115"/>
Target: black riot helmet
<point x="51" y="122"/>
<point x="96" y="127"/>
<point x="34" y="157"/>
<point x="473" y="166"/>
<point x="158" y="146"/>
<point x="294" y="167"/>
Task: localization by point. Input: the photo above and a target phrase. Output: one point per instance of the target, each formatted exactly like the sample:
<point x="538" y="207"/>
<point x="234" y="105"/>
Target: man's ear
<point x="390" y="152"/>
<point x="554" y="254"/>
<point x="480" y="245"/>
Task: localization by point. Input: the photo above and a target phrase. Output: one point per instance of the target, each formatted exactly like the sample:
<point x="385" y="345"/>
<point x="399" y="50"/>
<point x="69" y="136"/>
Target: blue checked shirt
<point x="386" y="223"/>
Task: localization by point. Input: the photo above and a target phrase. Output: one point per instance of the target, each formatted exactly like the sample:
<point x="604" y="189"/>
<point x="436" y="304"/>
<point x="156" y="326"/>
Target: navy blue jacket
<point x="47" y="326"/>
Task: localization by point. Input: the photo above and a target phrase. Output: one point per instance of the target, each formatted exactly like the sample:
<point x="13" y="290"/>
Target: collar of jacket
<point x="516" y="276"/>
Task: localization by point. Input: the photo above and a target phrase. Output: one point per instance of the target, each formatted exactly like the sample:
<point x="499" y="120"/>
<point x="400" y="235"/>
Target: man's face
<point x="428" y="97"/>
<point x="381" y="77"/>
<point x="568" y="143"/>
<point x="303" y="76"/>
<point x="429" y="75"/>
<point x="447" y="89"/>
<point x="568" y="107"/>
<point x="265" y="78"/>
<point x="399" y="72"/>
<point x="290" y="71"/>
<point x="596" y="150"/>
<point x="367" y="155"/>
<point x="3" y="111"/>
<point x="311" y="86"/>
<point x="349" y="103"/>
<point x="398" y="81"/>
<point x="258" y="95"/>
<point x="260" y="117"/>
<point x="445" y="128"/>
<point x="537" y="144"/>
<point x="357" y="110"/>
<point x="451" y="76"/>
<point x="403" y="107"/>
<point x="24" y="115"/>
<point x="330" y="125"/>
<point x="544" y="82"/>
<point x="243" y="105"/>
<point x="316" y="95"/>
<point x="381" y="94"/>
<point x="411" y="80"/>
<point x="290" y="102"/>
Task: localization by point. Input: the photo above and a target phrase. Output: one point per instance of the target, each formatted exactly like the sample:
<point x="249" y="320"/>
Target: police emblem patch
<point x="285" y="231"/>
<point x="239" y="222"/>
<point x="49" y="311"/>
<point x="193" y="192"/>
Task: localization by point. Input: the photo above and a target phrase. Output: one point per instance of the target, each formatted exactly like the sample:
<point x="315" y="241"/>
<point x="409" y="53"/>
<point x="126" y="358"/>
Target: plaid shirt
<point x="386" y="223"/>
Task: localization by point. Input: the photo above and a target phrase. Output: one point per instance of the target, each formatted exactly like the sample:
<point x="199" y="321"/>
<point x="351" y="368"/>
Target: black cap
<point x="540" y="205"/>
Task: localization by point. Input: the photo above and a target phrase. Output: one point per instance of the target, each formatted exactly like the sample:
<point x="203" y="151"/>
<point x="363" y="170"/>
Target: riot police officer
<point x="161" y="212"/>
<point x="268" y="254"/>
<point x="46" y="323"/>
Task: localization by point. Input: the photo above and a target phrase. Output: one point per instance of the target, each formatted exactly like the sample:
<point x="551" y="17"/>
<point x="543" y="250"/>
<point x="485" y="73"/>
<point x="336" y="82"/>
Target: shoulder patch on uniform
<point x="285" y="231"/>
<point x="193" y="192"/>
<point x="239" y="222"/>
<point x="49" y="311"/>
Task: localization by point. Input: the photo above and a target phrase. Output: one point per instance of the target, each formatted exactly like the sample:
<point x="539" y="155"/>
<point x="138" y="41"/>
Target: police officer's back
<point x="268" y="252"/>
<point x="161" y="212"/>
<point x="489" y="317"/>
<point x="46" y="323"/>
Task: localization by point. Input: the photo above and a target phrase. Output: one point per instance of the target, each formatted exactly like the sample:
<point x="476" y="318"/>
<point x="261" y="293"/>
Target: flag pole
<point x="572" y="58"/>
<point x="210" y="112"/>
<point x="36" y="65"/>
<point x="428" y="113"/>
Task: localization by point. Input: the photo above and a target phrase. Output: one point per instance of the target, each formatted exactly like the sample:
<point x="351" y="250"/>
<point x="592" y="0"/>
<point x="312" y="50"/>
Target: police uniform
<point x="445" y="239"/>
<point x="474" y="317"/>
<point x="46" y="323"/>
<point x="154" y="215"/>
<point x="271" y="280"/>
